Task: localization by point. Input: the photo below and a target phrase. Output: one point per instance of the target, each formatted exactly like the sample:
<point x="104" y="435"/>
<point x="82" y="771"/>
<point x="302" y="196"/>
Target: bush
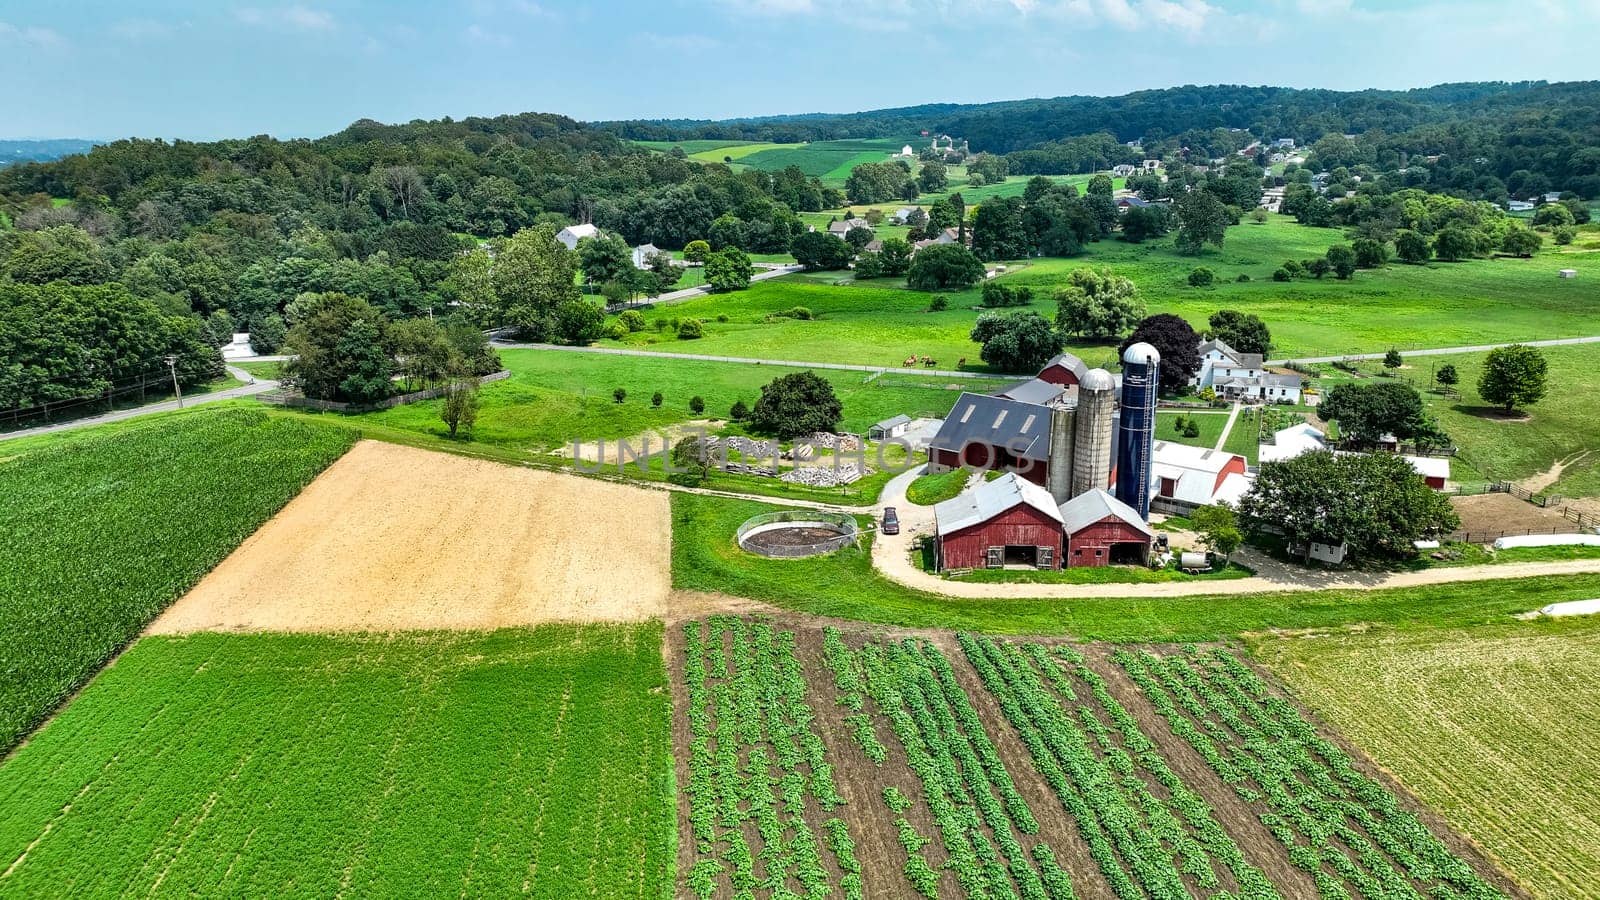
<point x="939" y="303"/>
<point x="794" y="312"/>
<point x="696" y="251"/>
<point x="1564" y="235"/>
<point x="656" y="398"/>
<point x="738" y="412"/>
<point x="997" y="295"/>
<point x="723" y="318"/>
<point x="1191" y="429"/>
<point x="1281" y="274"/>
<point x="1202" y="276"/>
<point x="697" y="404"/>
<point x="690" y="329"/>
<point x="661" y="324"/>
<point x="619" y="394"/>
<point x="632" y="319"/>
<point x="615" y="331"/>
<point x="1243" y="277"/>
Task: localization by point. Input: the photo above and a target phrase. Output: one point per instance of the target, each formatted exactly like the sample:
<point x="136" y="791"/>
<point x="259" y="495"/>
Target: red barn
<point x="1064" y="369"/>
<point x="1008" y="521"/>
<point x="994" y="433"/>
<point x="1102" y="530"/>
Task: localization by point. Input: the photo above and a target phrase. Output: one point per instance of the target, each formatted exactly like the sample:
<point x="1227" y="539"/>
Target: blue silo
<point x="1136" y="432"/>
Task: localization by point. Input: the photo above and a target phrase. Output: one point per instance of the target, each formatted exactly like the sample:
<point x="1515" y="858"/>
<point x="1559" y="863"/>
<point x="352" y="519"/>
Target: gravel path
<point x="1440" y="351"/>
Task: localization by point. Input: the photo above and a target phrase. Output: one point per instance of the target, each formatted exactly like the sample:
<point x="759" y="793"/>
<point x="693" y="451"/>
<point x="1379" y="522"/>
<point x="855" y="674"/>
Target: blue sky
<point x="215" y="68"/>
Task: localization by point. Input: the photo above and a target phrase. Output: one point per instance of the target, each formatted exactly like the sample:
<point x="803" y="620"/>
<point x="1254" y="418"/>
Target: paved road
<point x="1440" y="351"/>
<point x="748" y="360"/>
<point x="698" y="290"/>
<point x="250" y="387"/>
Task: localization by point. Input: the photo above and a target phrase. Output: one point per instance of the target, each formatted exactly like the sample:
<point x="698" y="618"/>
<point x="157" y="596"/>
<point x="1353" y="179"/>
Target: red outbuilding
<point x="1102" y="530"/>
<point x="1064" y="369"/>
<point x="1008" y="521"/>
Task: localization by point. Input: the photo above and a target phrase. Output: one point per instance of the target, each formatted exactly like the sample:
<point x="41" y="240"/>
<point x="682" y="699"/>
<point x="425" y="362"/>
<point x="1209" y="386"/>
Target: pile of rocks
<point x="745" y="469"/>
<point x="829" y="441"/>
<point x="743" y="446"/>
<point x="823" y="476"/>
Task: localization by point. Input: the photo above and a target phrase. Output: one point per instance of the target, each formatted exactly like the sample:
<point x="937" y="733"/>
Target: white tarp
<point x="1547" y="540"/>
<point x="1572" y="608"/>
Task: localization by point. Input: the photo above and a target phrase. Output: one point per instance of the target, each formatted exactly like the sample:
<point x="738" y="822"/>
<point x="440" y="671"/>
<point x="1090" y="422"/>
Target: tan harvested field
<point x="394" y="538"/>
<point x="1496" y="728"/>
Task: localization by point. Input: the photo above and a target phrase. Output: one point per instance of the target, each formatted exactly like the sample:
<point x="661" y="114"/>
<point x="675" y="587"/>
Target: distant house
<point x="841" y="227"/>
<point x="1150" y="165"/>
<point x="1519" y="206"/>
<point x="1131" y="202"/>
<point x="873" y="246"/>
<point x="1124" y="170"/>
<point x="947" y="236"/>
<point x="1283" y="143"/>
<point x="902" y="214"/>
<point x="889" y="428"/>
<point x="642" y="255"/>
<point x="1242" y="376"/>
<point x="906" y="151"/>
<point x="1552" y="196"/>
<point x="572" y="234"/>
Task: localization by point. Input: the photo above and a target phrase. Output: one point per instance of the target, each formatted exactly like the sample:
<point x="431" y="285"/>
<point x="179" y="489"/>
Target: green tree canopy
<point x="796" y="404"/>
<point x="1018" y="342"/>
<point x="1513" y="376"/>
<point x="1098" y="304"/>
<point x="944" y="267"/>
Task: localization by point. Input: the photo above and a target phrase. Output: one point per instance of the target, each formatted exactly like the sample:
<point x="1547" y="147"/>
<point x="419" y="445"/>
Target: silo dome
<point x="1140" y="353"/>
<point x="1097" y="380"/>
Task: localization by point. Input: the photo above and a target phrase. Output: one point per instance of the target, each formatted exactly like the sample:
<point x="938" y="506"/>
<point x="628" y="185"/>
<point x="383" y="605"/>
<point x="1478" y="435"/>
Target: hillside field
<point x="1495" y="728"/>
<point x="313" y="765"/>
<point x="104" y="530"/>
<point x="965" y="766"/>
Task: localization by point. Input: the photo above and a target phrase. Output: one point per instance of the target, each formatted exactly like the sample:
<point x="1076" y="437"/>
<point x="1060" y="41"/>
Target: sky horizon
<point x="98" y="70"/>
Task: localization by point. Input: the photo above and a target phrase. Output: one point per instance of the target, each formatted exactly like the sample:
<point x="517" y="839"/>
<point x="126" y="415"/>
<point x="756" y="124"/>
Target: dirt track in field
<point x="393" y="538"/>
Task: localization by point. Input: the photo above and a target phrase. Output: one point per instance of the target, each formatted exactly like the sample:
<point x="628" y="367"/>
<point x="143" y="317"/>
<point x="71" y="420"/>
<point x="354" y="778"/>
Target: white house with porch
<point x="1242" y="376"/>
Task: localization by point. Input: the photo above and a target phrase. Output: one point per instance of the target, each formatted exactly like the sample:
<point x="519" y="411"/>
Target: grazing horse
<point x="910" y="361"/>
<point x="929" y="362"/>
<point x="961" y="363"/>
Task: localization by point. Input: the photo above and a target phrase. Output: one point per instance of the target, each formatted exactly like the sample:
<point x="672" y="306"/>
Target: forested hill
<point x="1273" y="112"/>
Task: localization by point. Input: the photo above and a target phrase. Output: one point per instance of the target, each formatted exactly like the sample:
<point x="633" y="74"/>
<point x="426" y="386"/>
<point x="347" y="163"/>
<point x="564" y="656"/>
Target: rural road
<point x="1439" y="351"/>
<point x="750" y="360"/>
<point x="250" y="388"/>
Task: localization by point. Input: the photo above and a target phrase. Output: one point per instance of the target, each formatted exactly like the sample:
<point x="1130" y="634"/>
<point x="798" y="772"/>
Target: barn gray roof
<point x="990" y="499"/>
<point x="1086" y="509"/>
<point x="1034" y="390"/>
<point x="1069" y="362"/>
<point x="1023" y="429"/>
<point x="892" y="421"/>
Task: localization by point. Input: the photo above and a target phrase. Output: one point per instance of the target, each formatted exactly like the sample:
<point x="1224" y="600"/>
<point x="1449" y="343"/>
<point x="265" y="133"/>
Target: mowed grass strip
<point x="1498" y="729"/>
<point x="517" y="762"/>
<point x="844" y="585"/>
<point x="103" y="531"/>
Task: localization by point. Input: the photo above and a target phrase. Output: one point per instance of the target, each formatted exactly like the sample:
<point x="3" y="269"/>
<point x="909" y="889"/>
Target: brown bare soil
<point x="1494" y="513"/>
<point x="393" y="538"/>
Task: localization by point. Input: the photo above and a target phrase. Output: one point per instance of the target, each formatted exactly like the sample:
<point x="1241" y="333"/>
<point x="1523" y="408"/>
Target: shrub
<point x="996" y="294"/>
<point x="656" y="398"/>
<point x="1191" y="429"/>
<point x="697" y="404"/>
<point x="690" y="329"/>
<point x="1202" y="276"/>
<point x="1243" y="277"/>
<point x="661" y="324"/>
<point x="939" y="303"/>
<point x="738" y="411"/>
<point x="722" y="318"/>
<point x="615" y="331"/>
<point x="1281" y="274"/>
<point x="632" y="319"/>
<point x="796" y="404"/>
<point x="619" y="394"/>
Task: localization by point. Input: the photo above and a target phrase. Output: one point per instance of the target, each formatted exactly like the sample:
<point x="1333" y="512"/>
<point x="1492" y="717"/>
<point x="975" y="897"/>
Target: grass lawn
<point x="268" y="371"/>
<point x="106" y="527"/>
<point x="844" y="584"/>
<point x="1496" y="728"/>
<point x="1211" y="424"/>
<point x="1495" y="448"/>
<point x="426" y="764"/>
<point x="927" y="490"/>
<point x="1245" y="437"/>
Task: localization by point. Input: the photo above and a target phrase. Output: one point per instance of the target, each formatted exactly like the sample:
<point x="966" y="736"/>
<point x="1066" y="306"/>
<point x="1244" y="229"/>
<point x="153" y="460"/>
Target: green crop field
<point x="1495" y="728"/>
<point x="844" y="585"/>
<point x="100" y="537"/>
<point x="295" y="765"/>
<point x="829" y="160"/>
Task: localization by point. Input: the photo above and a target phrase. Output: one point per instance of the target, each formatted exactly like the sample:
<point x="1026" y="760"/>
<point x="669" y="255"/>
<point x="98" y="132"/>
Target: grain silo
<point x="1141" y="382"/>
<point x="1091" y="446"/>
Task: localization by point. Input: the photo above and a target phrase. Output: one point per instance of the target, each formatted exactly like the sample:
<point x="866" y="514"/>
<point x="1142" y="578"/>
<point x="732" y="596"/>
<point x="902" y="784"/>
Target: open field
<point x="394" y="538"/>
<point x="103" y="529"/>
<point x="845" y="585"/>
<point x="314" y="765"/>
<point x="962" y="766"/>
<point x="1495" y="728"/>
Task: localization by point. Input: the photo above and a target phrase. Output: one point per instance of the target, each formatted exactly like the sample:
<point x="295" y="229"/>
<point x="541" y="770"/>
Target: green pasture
<point x="426" y="764"/>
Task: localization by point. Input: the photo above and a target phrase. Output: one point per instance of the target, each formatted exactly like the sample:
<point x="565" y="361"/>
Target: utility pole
<point x="172" y="366"/>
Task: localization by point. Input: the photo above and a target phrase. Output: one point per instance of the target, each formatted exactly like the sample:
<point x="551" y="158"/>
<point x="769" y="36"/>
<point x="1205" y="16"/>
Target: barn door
<point x="1047" y="557"/>
<point x="995" y="557"/>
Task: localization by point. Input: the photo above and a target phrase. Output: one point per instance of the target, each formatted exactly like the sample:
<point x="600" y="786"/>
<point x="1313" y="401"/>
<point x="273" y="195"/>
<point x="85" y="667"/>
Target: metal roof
<point x="990" y="499"/>
<point x="1022" y="429"/>
<point x="892" y="421"/>
<point x="1034" y="390"/>
<point x="1069" y="362"/>
<point x="1183" y="456"/>
<point x="1086" y="509"/>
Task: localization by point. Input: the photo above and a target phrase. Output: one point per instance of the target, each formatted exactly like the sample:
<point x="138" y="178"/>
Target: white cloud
<point x="293" y="18"/>
<point x="31" y="35"/>
<point x="1187" y="16"/>
<point x="478" y="34"/>
<point x="677" y="43"/>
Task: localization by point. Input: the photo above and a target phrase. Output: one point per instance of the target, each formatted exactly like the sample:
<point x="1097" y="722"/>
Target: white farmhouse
<point x="572" y="234"/>
<point x="642" y="255"/>
<point x="1241" y="376"/>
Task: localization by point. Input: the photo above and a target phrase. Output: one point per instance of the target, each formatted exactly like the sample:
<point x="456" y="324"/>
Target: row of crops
<point x="1341" y="827"/>
<point x="1015" y="770"/>
<point x="103" y="531"/>
<point x="756" y="767"/>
